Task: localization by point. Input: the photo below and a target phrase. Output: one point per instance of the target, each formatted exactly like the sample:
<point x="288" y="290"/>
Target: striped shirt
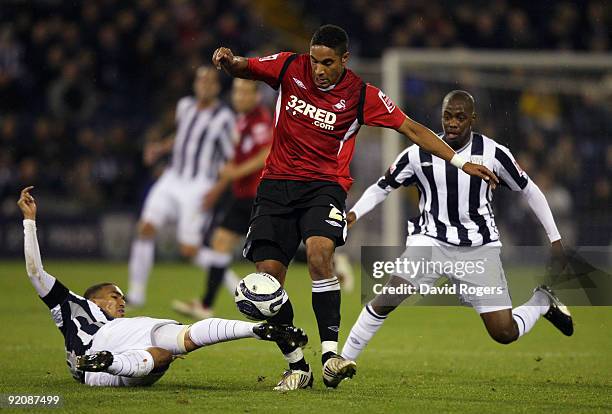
<point x="454" y="206"/>
<point x="77" y="318"/>
<point x="204" y="140"/>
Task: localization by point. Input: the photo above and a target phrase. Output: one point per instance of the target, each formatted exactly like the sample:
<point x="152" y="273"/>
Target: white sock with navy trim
<point x="368" y="323"/>
<point x="214" y="330"/>
<point x="527" y="314"/>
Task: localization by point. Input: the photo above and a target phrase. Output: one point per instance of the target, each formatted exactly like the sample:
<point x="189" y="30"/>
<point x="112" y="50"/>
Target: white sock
<point x="527" y="314"/>
<point x="213" y="330"/>
<point x="207" y="257"/>
<point x="141" y="261"/>
<point x="230" y="280"/>
<point x="134" y="363"/>
<point x="368" y="323"/>
<point x="294" y="356"/>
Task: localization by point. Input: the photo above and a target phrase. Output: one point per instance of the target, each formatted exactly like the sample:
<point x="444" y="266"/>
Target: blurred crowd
<point x="83" y="84"/>
<point x="82" y="81"/>
<point x="545" y="24"/>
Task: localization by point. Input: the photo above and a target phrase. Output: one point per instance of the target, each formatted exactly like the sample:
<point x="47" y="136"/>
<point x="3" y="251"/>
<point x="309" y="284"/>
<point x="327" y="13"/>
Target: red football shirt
<point x="255" y="133"/>
<point x="314" y="129"/>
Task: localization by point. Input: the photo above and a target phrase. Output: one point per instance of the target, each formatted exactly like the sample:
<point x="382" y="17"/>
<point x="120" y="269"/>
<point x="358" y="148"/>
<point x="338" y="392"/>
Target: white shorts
<point x="176" y="199"/>
<point x="140" y="333"/>
<point x="475" y="272"/>
<point x="124" y="334"/>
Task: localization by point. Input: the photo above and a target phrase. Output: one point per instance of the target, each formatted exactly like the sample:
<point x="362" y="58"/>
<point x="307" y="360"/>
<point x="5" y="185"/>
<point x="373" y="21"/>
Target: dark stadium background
<point x="84" y="84"/>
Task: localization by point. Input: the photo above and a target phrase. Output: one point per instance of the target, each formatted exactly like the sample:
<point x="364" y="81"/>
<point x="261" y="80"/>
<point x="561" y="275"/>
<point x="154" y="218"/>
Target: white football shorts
<point x="476" y="272"/>
<point x="177" y="199"/>
<point x="140" y="333"/>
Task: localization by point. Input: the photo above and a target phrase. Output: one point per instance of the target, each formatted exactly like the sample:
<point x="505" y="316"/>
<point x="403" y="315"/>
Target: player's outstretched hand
<point x="351" y="218"/>
<point x="222" y="58"/>
<point x="27" y="204"/>
<point x="482" y="172"/>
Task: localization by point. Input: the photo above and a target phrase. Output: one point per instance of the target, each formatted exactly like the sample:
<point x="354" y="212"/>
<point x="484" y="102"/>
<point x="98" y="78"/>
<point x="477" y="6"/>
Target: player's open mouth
<point x="452" y="135"/>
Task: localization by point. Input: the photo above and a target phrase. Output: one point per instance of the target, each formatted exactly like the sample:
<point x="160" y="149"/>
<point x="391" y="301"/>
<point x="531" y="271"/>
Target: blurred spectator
<point x="11" y="70"/>
<point x="70" y="97"/>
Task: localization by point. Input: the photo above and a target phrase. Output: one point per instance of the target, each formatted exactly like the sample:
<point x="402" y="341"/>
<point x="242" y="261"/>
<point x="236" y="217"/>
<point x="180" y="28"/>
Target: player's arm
<point x="154" y="150"/>
<point x="399" y="173"/>
<point x="236" y="66"/>
<point x="539" y="205"/>
<point x="370" y="198"/>
<point x="430" y="142"/>
<point x="233" y="171"/>
<point x="48" y="287"/>
<point x="513" y="177"/>
<point x="269" y="69"/>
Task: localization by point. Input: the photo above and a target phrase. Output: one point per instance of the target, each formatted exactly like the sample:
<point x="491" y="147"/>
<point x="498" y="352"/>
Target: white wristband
<point x="457" y="161"/>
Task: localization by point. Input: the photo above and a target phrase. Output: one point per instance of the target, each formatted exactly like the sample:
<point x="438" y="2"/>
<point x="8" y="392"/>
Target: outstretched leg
<point x="145" y="366"/>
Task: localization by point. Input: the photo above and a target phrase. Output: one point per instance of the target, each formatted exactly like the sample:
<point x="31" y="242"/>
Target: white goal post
<point x="562" y="72"/>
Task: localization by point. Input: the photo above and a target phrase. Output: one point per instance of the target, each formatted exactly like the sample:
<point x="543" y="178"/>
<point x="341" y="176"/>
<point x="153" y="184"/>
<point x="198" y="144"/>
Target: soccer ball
<point x="259" y="296"/>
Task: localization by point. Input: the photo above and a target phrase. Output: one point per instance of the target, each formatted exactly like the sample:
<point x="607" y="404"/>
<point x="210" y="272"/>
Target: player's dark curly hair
<point x="331" y="36"/>
<point x="92" y="290"/>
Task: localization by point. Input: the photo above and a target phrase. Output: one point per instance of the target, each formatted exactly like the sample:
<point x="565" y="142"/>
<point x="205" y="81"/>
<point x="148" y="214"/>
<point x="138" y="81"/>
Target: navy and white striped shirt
<point x="204" y="140"/>
<point x="454" y="206"/>
<point x="78" y="319"/>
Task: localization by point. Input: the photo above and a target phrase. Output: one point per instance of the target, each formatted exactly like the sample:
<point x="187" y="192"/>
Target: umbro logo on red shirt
<point x="299" y="83"/>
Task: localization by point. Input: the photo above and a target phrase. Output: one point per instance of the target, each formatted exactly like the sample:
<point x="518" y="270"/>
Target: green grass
<point x="425" y="359"/>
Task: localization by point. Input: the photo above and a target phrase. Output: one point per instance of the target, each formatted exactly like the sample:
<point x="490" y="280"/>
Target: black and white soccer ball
<point x="259" y="296"/>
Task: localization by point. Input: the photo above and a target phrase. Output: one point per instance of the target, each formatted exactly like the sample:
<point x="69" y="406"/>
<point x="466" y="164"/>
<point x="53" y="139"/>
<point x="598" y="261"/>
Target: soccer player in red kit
<point x="320" y="108"/>
<point x="243" y="172"/>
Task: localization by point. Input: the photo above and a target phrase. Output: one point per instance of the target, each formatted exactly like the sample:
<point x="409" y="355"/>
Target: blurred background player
<point x="456" y="221"/>
<point x="243" y="172"/>
<point x="103" y="348"/>
<point x="200" y="146"/>
<point x="301" y="197"/>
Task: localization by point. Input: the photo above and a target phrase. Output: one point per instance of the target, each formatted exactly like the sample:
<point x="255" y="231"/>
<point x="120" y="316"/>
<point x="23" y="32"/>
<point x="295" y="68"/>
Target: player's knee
<point x="504" y="336"/>
<point x="146" y="230"/>
<point x="188" y="251"/>
<point x="320" y="260"/>
<point x="162" y="358"/>
<point x="272" y="267"/>
<point x="320" y="265"/>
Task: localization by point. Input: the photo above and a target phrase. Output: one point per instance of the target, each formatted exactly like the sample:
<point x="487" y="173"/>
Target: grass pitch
<point x="424" y="359"/>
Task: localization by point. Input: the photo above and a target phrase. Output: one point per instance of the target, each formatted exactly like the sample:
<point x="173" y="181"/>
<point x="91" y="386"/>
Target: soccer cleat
<point x="337" y="369"/>
<point x="295" y="337"/>
<point x="193" y="309"/>
<point x="295" y="379"/>
<point x="557" y="314"/>
<point x="96" y="362"/>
